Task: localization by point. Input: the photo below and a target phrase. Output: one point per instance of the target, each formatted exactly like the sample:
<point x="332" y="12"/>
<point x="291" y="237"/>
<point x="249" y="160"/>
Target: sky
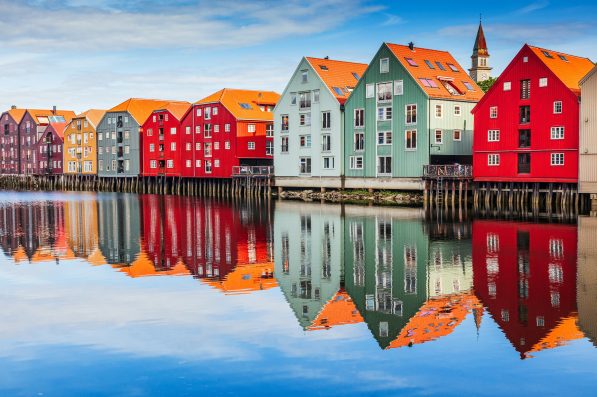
<point x="81" y="54"/>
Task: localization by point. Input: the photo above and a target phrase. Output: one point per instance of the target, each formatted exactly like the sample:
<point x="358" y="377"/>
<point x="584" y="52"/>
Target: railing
<point x="251" y="171"/>
<point x="448" y="171"/>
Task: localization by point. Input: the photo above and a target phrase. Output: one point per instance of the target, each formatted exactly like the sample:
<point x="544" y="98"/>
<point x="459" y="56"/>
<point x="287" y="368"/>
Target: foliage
<point x="487" y="84"/>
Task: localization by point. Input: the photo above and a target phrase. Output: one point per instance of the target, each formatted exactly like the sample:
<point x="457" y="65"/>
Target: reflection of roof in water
<point x="96" y="258"/>
<point x="436" y="318"/>
<point x="20" y="254"/>
<point x="246" y="278"/>
<point x="339" y="310"/>
<point x="567" y="330"/>
<point x="142" y="266"/>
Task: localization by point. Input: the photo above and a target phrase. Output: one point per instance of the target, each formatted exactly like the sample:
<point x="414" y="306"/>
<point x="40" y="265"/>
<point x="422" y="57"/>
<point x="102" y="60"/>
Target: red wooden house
<point x="525" y="275"/>
<point x="49" y="150"/>
<point x="9" y="139"/>
<point x="161" y="141"/>
<point x="527" y="124"/>
<point x="226" y="129"/>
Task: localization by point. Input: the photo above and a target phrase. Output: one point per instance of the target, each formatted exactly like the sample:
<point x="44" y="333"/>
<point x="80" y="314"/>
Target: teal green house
<point x="410" y="108"/>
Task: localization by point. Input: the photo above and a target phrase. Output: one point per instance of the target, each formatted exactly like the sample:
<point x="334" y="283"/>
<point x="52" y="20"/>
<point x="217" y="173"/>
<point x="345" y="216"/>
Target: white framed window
<point x="315" y="96"/>
<point x="226" y="127"/>
<point x="198" y="129"/>
<point x="410" y="139"/>
<point x="384" y="113"/>
<point x="188" y="130"/>
<point x="216" y="128"/>
<point x="251" y="145"/>
<point x="305" y="141"/>
<point x="305" y="165"/>
<point x="356" y="162"/>
<point x="493" y="160"/>
<point x="543" y="82"/>
<point x="384" y="165"/>
<point x="457" y="111"/>
<point x="326" y="120"/>
<point x="384" y="65"/>
<point x="369" y="90"/>
<point x="493" y="112"/>
<point x="305" y="119"/>
<point x="214" y="111"/>
<point x="557" y="132"/>
<point x="170" y="163"/>
<point x="197" y="163"/>
<point x="411" y="114"/>
<point x="293" y="99"/>
<point x="188" y="146"/>
<point x="457" y="135"/>
<point x="216" y="145"/>
<point x="251" y="128"/>
<point x="227" y="145"/>
<point x="188" y="163"/>
<point x="507" y="85"/>
<point x="173" y="146"/>
<point x="198" y="146"/>
<point x="207" y="114"/>
<point x="439" y="137"/>
<point x="153" y="164"/>
<point x="359" y="141"/>
<point x="439" y="111"/>
<point x="493" y="136"/>
<point x="398" y="87"/>
<point x="217" y="163"/>
<point x="198" y="112"/>
<point x="173" y="131"/>
<point x="304" y="76"/>
<point x="384" y="137"/>
<point x="525" y="59"/>
<point x="359" y="117"/>
<point x="557" y="159"/>
<point x="384" y="92"/>
<point x="326" y="143"/>
<point x="557" y="107"/>
<point x="328" y="163"/>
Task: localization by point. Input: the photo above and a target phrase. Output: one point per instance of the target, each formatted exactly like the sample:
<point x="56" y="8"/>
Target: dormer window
<point x="448" y="83"/>
<point x="411" y="62"/>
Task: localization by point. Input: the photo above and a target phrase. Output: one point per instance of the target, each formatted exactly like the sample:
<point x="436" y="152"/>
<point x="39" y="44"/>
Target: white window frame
<point x="413" y="106"/>
<point x="557" y="159"/>
<point x="555" y="104"/>
<point x="507" y="85"/>
<point x="459" y="135"/>
<point x="398" y="87"/>
<point x="543" y="82"/>
<point x="439" y="115"/>
<point x="386" y="137"/>
<point x="493" y="160"/>
<point x="384" y="65"/>
<point x="493" y="135"/>
<point x="457" y="110"/>
<point x="557" y="133"/>
<point x="353" y="162"/>
<point x="369" y="91"/>
<point x="441" y="136"/>
<point x="493" y="112"/>
<point x="412" y="148"/>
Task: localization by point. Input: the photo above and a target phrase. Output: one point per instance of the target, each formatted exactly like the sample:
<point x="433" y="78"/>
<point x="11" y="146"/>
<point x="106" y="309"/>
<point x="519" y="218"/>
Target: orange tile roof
<point x="59" y="128"/>
<point x="97" y="258"/>
<point x="140" y="109"/>
<point x="439" y="77"/>
<point x="245" y="279"/>
<point x="19" y="254"/>
<point x="177" y="109"/>
<point x="17" y="114"/>
<point x="569" y="71"/>
<point x="231" y="99"/>
<point x="339" y="310"/>
<point x="564" y="332"/>
<point x="94" y="116"/>
<point x="436" y="318"/>
<point x="35" y="113"/>
<point x="338" y="74"/>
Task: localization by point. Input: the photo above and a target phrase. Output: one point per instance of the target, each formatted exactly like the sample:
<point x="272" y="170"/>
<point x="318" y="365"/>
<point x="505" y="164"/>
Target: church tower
<point x="480" y="70"/>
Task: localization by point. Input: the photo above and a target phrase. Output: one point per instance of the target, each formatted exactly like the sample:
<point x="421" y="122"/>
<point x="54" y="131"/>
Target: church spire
<point x="480" y="47"/>
<point x="480" y="69"/>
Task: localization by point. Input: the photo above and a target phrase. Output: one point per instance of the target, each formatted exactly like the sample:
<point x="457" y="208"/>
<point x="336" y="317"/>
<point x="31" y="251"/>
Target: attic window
<point x="452" y="89"/>
<point x="356" y="75"/>
<point x="563" y="58"/>
<point x="547" y="54"/>
<point x="440" y="66"/>
<point x="468" y="86"/>
<point x="323" y="67"/>
<point x="338" y="91"/>
<point x="454" y="68"/>
<point x="411" y="62"/>
<point x="245" y="105"/>
<point x="428" y="62"/>
<point x="348" y="89"/>
<point x="428" y="83"/>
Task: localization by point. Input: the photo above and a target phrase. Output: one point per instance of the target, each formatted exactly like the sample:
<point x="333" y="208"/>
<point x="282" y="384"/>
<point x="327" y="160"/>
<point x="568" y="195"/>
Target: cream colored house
<point x="588" y="136"/>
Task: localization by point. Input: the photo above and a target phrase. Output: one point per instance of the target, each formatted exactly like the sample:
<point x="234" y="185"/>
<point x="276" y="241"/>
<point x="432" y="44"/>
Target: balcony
<point x="456" y="171"/>
<point x="252" y="171"/>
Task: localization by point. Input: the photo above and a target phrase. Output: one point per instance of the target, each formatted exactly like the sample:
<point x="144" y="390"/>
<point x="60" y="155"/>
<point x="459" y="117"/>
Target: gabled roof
<point x="439" y="78"/>
<point x="339" y="310"/>
<point x="232" y="99"/>
<point x="176" y="108"/>
<point x="36" y="113"/>
<point x="480" y="42"/>
<point x="566" y="331"/>
<point x="139" y="108"/>
<point x="17" y="114"/>
<point x="570" y="69"/>
<point x="58" y="128"/>
<point x="588" y="75"/>
<point x="338" y="76"/>
<point x="245" y="279"/>
<point x="94" y="116"/>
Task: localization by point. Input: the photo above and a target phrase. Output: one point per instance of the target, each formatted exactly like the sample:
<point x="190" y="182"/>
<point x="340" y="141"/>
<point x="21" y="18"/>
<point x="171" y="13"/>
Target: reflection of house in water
<point x="586" y="295"/>
<point x="525" y="275"/>
<point x="80" y="222"/>
<point x="119" y="227"/>
<point x="308" y="257"/>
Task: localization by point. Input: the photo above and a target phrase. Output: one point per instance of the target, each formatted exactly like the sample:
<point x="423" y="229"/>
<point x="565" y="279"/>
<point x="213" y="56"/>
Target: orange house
<point x="80" y="143"/>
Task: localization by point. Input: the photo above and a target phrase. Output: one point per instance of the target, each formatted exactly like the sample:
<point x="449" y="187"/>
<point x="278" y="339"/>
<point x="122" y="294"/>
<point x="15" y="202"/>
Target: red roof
<point x="480" y="42"/>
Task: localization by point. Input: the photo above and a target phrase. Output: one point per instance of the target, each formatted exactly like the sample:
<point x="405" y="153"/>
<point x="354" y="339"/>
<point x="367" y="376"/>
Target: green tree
<point x="487" y="84"/>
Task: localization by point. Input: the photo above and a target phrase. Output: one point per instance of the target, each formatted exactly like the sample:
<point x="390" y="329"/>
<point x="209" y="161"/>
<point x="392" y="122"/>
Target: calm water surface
<point x="112" y="294"/>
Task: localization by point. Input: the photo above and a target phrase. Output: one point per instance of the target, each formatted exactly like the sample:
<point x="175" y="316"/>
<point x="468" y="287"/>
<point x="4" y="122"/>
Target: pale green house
<point x="409" y="109"/>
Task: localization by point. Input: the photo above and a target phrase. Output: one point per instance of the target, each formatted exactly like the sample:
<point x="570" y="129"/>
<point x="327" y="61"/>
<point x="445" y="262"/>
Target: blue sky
<point x="80" y="54"/>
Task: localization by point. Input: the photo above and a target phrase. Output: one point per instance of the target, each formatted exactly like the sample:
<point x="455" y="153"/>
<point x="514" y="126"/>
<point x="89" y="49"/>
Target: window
<point x="284" y="122"/>
<point x="207" y="130"/>
<point x="356" y="162"/>
<point x="525" y="89"/>
<point x="188" y="130"/>
<point x="411" y="114"/>
<point x="188" y="147"/>
<point x="305" y="119"/>
<point x="207" y="114"/>
<point x="269" y="130"/>
<point x="493" y="159"/>
<point x="557" y="107"/>
<point x="452" y="67"/>
<point x="359" y="117"/>
<point x="384" y="165"/>
<point x="384" y="138"/>
<point x="507" y="86"/>
<point x="411" y="140"/>
<point x="457" y="110"/>
<point x="293" y="98"/>
<point x="251" y="145"/>
<point x="227" y="145"/>
<point x="557" y="132"/>
<point x="493" y="112"/>
<point x="411" y="62"/>
<point x="398" y="87"/>
<point x="525" y="59"/>
<point x="338" y="91"/>
<point x="153" y="164"/>
<point x="305" y="141"/>
<point x="100" y="136"/>
<point x="216" y="128"/>
<point x="524" y="138"/>
<point x="326" y="143"/>
<point x="384" y="65"/>
<point x="543" y="82"/>
<point x="457" y="135"/>
<point x="198" y="112"/>
<point x="439" y="111"/>
<point x="493" y="136"/>
<point x="305" y="165"/>
<point x="207" y="149"/>
<point x="173" y="131"/>
<point x="284" y="146"/>
<point x="557" y="159"/>
<point x="304" y="76"/>
<point x="384" y="113"/>
<point x="439" y="137"/>
<point x="208" y="166"/>
<point x="173" y="146"/>
<point x="269" y="147"/>
<point x="326" y="120"/>
<point x="315" y="96"/>
<point x="151" y="147"/>
<point x="440" y="66"/>
<point x="198" y="129"/>
<point x="304" y="100"/>
<point x="188" y="163"/>
<point x="429" y="64"/>
<point x="198" y="163"/>
<point x="524" y="163"/>
<point x="525" y="114"/>
<point x="384" y="92"/>
<point x="217" y="163"/>
<point x="429" y="83"/>
<point x="170" y="164"/>
<point x="328" y="163"/>
<point x="369" y="91"/>
<point x="251" y="128"/>
<point x="198" y="146"/>
<point x="359" y="141"/>
<point x="216" y="145"/>
<point x="468" y="86"/>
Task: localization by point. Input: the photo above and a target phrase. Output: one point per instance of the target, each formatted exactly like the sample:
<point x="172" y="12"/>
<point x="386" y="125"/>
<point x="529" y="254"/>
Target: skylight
<point x="468" y="86"/>
<point x="428" y="62"/>
<point x="451" y="88"/>
<point x="57" y="119"/>
<point x="356" y="75"/>
<point x="245" y="105"/>
<point x="411" y="62"/>
<point x="429" y="83"/>
<point x="547" y="54"/>
<point x="440" y="66"/>
<point x="563" y="58"/>
<point x="338" y="91"/>
<point x="323" y="67"/>
<point x="454" y="68"/>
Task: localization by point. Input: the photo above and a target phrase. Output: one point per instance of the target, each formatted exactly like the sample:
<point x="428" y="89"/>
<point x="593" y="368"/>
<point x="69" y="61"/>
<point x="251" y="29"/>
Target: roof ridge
<point x="558" y="52"/>
<point x="420" y="48"/>
<point x="336" y="60"/>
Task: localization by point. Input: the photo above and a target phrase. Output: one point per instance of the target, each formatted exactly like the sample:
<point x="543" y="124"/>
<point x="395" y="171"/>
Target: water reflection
<point x="406" y="280"/>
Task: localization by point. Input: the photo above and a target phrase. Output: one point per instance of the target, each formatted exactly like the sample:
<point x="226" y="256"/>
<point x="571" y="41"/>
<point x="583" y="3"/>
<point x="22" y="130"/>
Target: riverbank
<point x="382" y="197"/>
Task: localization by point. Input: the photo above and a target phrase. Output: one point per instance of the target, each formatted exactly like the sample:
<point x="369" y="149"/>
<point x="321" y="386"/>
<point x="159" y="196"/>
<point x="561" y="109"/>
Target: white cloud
<point x="535" y="6"/>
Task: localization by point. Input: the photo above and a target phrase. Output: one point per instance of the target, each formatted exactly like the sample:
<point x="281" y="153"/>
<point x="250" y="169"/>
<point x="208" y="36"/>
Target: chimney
<point x="54" y="109"/>
<point x="326" y="57"/>
<point x="411" y="45"/>
<point x="13" y="107"/>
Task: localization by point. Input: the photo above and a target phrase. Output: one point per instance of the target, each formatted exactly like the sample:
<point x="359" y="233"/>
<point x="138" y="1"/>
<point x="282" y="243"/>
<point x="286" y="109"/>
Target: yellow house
<point x="80" y="143"/>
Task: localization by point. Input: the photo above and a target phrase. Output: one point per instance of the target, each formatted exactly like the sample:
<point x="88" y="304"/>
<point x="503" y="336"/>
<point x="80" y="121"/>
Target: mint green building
<point x="410" y="108"/>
